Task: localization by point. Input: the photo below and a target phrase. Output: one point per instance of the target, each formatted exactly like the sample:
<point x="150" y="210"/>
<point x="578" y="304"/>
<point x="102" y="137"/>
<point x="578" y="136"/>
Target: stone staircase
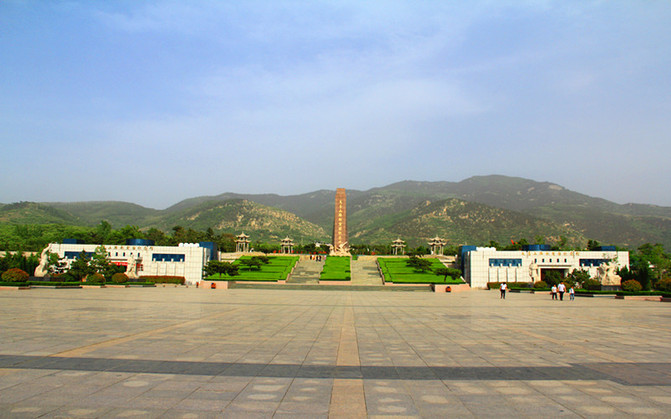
<point x="364" y="271"/>
<point x="306" y="272"/>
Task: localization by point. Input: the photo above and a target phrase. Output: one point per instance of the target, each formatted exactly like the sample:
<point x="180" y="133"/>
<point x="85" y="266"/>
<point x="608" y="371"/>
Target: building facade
<point x="486" y="264"/>
<point x="143" y="258"/>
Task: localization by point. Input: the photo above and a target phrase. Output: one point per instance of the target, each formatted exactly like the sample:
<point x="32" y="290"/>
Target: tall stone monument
<point x="340" y="244"/>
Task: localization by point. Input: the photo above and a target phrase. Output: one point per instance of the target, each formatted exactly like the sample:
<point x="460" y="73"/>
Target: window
<point x="505" y="262"/>
<point x="593" y="262"/>
<point x="75" y="255"/>
<point x="166" y="257"/>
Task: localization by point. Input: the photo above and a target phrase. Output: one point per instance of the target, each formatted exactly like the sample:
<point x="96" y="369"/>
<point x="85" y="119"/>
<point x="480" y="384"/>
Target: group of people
<point x="561" y="289"/>
<point x="318" y="258"/>
<point x="556" y="289"/>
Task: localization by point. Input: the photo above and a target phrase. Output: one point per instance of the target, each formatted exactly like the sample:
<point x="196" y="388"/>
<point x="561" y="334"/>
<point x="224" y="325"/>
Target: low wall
<point x="219" y="285"/>
<point x="453" y="287"/>
<point x="639" y="297"/>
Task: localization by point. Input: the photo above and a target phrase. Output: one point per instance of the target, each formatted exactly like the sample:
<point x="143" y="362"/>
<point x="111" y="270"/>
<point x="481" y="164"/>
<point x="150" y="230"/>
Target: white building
<point x="142" y="258"/>
<point x="486" y="264"/>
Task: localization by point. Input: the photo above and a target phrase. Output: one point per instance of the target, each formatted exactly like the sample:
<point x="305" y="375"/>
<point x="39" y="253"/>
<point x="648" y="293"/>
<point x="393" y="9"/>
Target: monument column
<point x="340" y="240"/>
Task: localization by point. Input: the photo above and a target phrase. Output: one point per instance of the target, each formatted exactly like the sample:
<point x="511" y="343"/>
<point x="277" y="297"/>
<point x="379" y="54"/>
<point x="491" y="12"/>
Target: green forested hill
<point x="115" y="212"/>
<point x="486" y="208"/>
<point x="238" y="215"/>
<point x="34" y="213"/>
<point x="460" y="222"/>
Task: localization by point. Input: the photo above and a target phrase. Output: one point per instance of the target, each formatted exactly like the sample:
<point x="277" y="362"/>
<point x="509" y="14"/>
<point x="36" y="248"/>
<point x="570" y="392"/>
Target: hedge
<point x="163" y="279"/>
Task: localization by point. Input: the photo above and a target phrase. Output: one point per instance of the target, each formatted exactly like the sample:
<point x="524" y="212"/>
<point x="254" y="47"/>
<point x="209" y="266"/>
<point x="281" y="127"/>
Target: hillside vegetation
<point x="473" y="211"/>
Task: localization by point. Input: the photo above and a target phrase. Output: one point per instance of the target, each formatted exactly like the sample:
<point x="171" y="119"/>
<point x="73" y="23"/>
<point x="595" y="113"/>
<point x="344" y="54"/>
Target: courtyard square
<point x="189" y="352"/>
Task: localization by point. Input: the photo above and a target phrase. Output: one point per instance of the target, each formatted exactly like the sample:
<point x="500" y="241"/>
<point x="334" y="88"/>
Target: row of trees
<point x="18" y="260"/>
<point x="419" y="264"/>
<point x="95" y="268"/>
<point x="215" y="267"/>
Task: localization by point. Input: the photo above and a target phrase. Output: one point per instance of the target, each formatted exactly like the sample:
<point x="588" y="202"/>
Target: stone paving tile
<point x="264" y="353"/>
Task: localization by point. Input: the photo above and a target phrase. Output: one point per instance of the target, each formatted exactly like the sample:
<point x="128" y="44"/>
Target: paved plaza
<point x="187" y="352"/>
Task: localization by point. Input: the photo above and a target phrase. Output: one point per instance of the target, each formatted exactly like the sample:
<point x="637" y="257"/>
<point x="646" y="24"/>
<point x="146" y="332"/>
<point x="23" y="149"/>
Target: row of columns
<point x="242" y="244"/>
<point x="436" y="245"/>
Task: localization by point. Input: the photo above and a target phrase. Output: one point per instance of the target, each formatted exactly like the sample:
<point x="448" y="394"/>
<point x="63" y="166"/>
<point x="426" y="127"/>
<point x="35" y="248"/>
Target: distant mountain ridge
<point x="472" y="211"/>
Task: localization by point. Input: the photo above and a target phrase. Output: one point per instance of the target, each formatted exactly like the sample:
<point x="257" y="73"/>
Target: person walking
<point x="571" y="293"/>
<point x="553" y="291"/>
<point x="504" y="286"/>
<point x="561" y="289"/>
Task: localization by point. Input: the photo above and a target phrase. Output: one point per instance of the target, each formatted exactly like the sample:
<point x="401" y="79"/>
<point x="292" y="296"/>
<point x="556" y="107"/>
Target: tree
<point x="101" y="264"/>
<point x="102" y="232"/>
<point x="553" y="277"/>
<point x="516" y="245"/>
<point x="157" y="236"/>
<point x="263" y="258"/>
<point x="656" y="259"/>
<point x="251" y="263"/>
<point x="445" y="272"/>
<point x="215" y="267"/>
<point x="593" y="244"/>
<point x="578" y="276"/>
<point x="80" y="267"/>
<point x="55" y="265"/>
<point x="99" y="260"/>
<point x="419" y="264"/>
<point x="126" y="232"/>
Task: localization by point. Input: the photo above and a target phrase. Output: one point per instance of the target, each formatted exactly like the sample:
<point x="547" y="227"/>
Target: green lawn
<point x="336" y="268"/>
<point x="277" y="269"/>
<point x="397" y="270"/>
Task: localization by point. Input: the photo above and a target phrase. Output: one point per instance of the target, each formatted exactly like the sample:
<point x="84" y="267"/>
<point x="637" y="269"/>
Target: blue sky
<point x="156" y="101"/>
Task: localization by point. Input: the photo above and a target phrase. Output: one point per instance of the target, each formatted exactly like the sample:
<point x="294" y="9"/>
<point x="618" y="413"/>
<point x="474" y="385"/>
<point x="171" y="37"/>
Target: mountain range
<point x="473" y="211"/>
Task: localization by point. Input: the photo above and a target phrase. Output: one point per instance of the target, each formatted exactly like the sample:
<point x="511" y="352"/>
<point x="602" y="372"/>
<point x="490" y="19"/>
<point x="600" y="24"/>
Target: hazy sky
<point x="156" y="101"/>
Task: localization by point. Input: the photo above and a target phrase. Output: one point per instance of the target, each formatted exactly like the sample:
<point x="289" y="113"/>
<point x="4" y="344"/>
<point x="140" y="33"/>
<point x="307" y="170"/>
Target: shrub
<point x="663" y="285"/>
<point x="119" y="278"/>
<point x="64" y="277"/>
<point x="163" y="279"/>
<point x="592" y="284"/>
<point x="631" y="285"/>
<point x="15" y="275"/>
<point x="520" y="285"/>
<point x="95" y="279"/>
<point x="540" y="284"/>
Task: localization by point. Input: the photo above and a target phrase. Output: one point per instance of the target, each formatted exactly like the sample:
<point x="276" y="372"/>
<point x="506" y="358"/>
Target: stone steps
<point x="323" y="287"/>
<point x="306" y="271"/>
<point x="364" y="271"/>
